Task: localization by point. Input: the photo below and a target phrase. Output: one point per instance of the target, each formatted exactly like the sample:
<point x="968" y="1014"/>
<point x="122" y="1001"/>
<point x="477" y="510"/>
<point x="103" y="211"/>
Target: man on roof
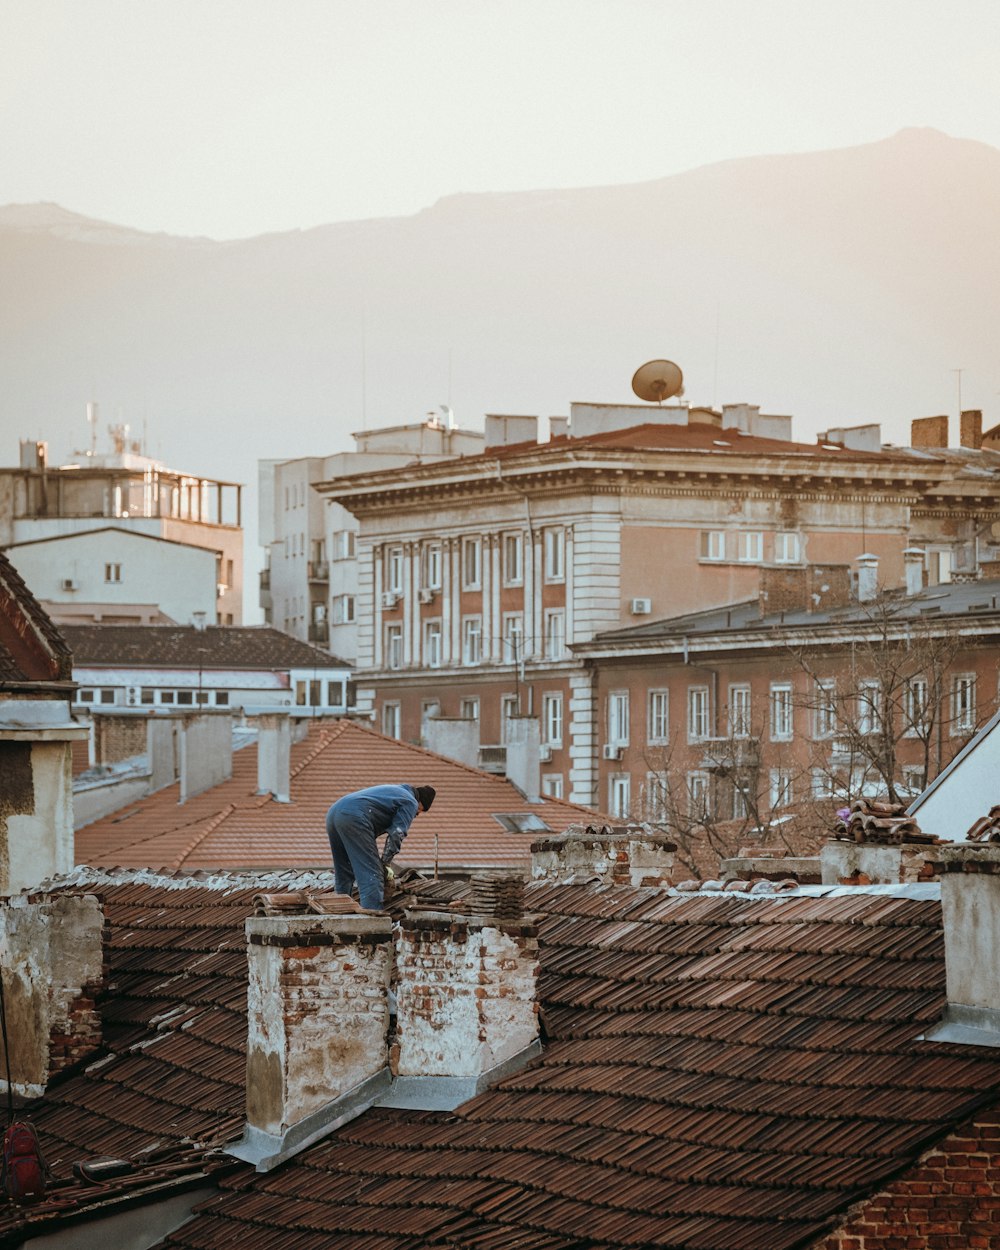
<point x="353" y="825"/>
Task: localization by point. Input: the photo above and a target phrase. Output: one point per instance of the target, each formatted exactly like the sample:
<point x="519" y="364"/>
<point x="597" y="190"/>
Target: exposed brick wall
<point x="804" y="588"/>
<point x="618" y="855"/>
<point x="466" y="990"/>
<point x="950" y="1200"/>
<point x="119" y="738"/>
<point x="972" y="428"/>
<point x="929" y="432"/>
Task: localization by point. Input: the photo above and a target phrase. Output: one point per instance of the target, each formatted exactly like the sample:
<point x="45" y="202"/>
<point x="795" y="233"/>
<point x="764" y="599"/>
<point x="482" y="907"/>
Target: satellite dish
<point x="658" y="380"/>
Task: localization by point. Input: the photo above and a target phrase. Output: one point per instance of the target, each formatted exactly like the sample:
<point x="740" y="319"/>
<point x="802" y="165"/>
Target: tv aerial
<point x="658" y="380"/>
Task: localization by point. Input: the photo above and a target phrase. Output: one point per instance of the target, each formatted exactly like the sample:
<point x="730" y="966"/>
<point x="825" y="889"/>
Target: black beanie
<point x="425" y="796"/>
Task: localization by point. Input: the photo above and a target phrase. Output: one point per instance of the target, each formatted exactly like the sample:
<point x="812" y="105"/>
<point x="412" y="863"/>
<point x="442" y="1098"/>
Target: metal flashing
<point x="445" y="1093"/>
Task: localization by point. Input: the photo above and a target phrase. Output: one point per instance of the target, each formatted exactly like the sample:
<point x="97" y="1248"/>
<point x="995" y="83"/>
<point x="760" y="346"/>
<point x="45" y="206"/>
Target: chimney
<point x="929" y="432"/>
<point x="206" y="751"/>
<point x="971" y="429"/>
<point x="467" y="1003"/>
<point x="524" y="760"/>
<point x="274" y="755"/>
<point x="867" y="577"/>
<point x="873" y="863"/>
<point x="52" y="959"/>
<point x="803" y="588"/>
<point x="558" y="427"/>
<point x="616" y="855"/>
<point x="501" y="431"/>
<point x="318" y="1021"/>
<point x="970" y="905"/>
<point x="455" y="737"/>
<point x="913" y="570"/>
<point x="198" y="620"/>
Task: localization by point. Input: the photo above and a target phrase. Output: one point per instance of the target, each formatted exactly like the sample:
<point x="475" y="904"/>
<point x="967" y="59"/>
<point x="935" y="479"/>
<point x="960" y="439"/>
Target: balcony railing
<point x="726" y="755"/>
<point x="318" y="571"/>
<point x="265" y="579"/>
<point x="319" y="631"/>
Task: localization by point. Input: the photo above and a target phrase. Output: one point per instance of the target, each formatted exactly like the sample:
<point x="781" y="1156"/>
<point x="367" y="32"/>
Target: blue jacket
<point x="385" y="809"/>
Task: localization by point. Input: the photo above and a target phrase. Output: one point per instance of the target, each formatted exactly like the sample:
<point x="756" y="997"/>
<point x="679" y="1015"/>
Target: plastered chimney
<point x="318" y="1020"/>
<point x="52" y="958"/>
<point x="913" y="570"/>
<point x="867" y="577"/>
<point x="502" y="431"/>
<point x="617" y="855"/>
<point x="524" y="755"/>
<point x="206" y="752"/>
<point x="466" y="996"/>
<point x="274" y="755"/>
<point x="456" y="737"/>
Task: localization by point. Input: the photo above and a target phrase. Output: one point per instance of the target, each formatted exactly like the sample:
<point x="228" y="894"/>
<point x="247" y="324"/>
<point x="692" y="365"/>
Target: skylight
<point x="521" y="822"/>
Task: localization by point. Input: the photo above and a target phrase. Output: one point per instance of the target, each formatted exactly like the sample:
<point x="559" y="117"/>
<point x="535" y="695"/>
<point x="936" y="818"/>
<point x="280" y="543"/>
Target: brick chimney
<point x="616" y="855"/>
<point x="318" y="1020"/>
<point x="970" y="904"/>
<point x="467" y="1003"/>
<point x="274" y="755"/>
<point x="804" y="588"/>
<point x="52" y="958"/>
<point x="929" y="432"/>
<point x="971" y="434"/>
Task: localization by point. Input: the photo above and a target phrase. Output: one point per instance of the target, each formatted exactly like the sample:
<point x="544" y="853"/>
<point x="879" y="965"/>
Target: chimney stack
<point x="455" y="737"/>
<point x="524" y="755"/>
<point x="502" y="431"/>
<point x="929" y="432"/>
<point x="274" y="756"/>
<point x="971" y="434"/>
<point x="206" y="750"/>
<point x="318" y="1021"/>
<point x="617" y="855"/>
<point x="867" y="577"/>
<point x="52" y="958"/>
<point x="913" y="570"/>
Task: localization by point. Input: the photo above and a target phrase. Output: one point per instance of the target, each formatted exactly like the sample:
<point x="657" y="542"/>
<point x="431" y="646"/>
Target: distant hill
<point x="840" y="286"/>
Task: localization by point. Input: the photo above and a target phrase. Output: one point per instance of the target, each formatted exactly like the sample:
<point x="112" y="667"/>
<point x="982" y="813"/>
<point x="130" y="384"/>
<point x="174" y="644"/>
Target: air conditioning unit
<point x="612" y="752"/>
<point x="426" y="595"/>
<point x="132" y="695"/>
<point x="67" y="583"/>
<point x="641" y="607"/>
<point x="389" y="598"/>
<point x="545" y="754"/>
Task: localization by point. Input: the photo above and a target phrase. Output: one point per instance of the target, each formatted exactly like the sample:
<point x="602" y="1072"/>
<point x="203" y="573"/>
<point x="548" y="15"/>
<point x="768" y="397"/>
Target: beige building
<point x="198" y="566"/>
<point x="476" y="576"/>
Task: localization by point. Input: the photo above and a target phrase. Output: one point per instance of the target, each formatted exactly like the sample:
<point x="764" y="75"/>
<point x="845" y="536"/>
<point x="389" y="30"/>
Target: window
<point x="552" y="720"/>
<point x="750" y="547"/>
<point x="555" y="555"/>
<point x="166" y="696"/>
<point x="781" y="712"/>
<point x="658" y="724"/>
<point x="618" y="718"/>
<point x="915" y="707"/>
<point x="394" y="645"/>
<point x="825" y="708"/>
<point x="147" y="695"/>
<point x="914" y="778"/>
<point x="469" y="709"/>
<point x="344" y="544"/>
<point x="185" y="697"/>
<point x="786" y="548"/>
<point x="222" y="698"/>
<point x="286" y="498"/>
<point x="963" y="703"/>
<point x="821" y="784"/>
<point x="391" y="720"/>
<point x="739" y="711"/>
<point x="508" y="708"/>
<point x="513" y="637"/>
<point x="698" y="794"/>
<point x="112" y="572"/>
<point x="432" y="566"/>
<point x="619" y="796"/>
<point x="697" y="713"/>
<point x="781" y="787"/>
<point x="555" y="634"/>
<point x="343" y="609"/>
<point x="432" y="644"/>
<point x="552" y="785"/>
<point x="513" y="559"/>
<point x="739" y="797"/>
<point x="394" y="571"/>
<point x="713" y="544"/>
<point x="472" y="563"/>
<point x="869" y="716"/>
<point x="85" y="695"/>
<point x="472" y="638"/>
<point x="657" y="794"/>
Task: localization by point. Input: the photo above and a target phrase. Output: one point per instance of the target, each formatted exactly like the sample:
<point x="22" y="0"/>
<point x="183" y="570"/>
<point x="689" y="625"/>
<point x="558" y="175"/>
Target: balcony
<point x="318" y="570"/>
<point x="319" y="631"/>
<point x="493" y="759"/>
<point x="265" y="579"/>
<point x="730" y="755"/>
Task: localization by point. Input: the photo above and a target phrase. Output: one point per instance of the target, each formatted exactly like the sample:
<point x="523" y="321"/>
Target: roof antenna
<point x="658" y="380"/>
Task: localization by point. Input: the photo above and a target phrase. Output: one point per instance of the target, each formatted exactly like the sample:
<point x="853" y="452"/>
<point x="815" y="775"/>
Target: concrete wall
<point x="951" y="806"/>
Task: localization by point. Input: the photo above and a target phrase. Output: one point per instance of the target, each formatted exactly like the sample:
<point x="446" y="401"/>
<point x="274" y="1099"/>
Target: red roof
<point x="231" y="826"/>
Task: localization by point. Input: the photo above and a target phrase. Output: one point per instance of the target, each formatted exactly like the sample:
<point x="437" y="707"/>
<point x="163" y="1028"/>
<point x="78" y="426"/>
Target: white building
<point x="309" y="584"/>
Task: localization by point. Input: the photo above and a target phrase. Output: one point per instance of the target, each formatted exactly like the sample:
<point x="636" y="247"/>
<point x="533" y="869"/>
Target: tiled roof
<point x="184" y="646"/>
<point x="31" y="647"/>
<point x="231" y="826"/>
<point x="721" y="1073"/>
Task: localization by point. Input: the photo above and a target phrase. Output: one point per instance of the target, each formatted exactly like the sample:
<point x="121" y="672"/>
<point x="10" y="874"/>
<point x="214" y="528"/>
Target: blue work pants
<point x="355" y="854"/>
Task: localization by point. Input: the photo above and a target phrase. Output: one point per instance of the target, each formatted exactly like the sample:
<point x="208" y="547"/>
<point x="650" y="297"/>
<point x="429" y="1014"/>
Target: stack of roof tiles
<point x="986" y="828"/>
<point x="884" y="823"/>
<point x="502" y="897"/>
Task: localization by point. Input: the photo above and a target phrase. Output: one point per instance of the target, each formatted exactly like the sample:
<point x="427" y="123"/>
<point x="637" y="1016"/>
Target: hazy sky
<point x="236" y="117"/>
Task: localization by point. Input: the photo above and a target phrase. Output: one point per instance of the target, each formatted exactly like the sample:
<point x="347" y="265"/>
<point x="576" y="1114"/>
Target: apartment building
<point x="478" y="576"/>
<point x="309" y="584"/>
<point x="120" y="538"/>
<point x="811" y="691"/>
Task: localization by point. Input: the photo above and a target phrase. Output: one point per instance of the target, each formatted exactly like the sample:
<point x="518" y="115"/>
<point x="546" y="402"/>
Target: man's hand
<point x="388" y="880"/>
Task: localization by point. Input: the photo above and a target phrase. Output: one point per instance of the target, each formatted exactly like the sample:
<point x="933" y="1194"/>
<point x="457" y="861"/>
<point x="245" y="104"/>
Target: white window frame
<point x="963" y="704"/>
<point x="699" y="794"/>
<point x="392" y="718"/>
<point x="394" y="645"/>
<point x="513" y="637"/>
<point x="620" y="795"/>
<point x="915" y="706"/>
<point x="739" y="710"/>
<point x="552" y="720"/>
<point x="787" y="547"/>
<point x="698" y="713"/>
<point x="781" y="788"/>
<point x="552" y="785"/>
<point x="658" y="717"/>
<point x="555" y="634"/>
<point x="782" y="711"/>
<point x="343" y="609"/>
<point x="713" y="545"/>
<point x="750" y="546"/>
<point x="433" y="639"/>
<point x="513" y="559"/>
<point x="432" y="566"/>
<point x="657" y="793"/>
<point x="344" y="544"/>
<point x="472" y="563"/>
<point x="824" y="709"/>
<point x="554" y="542"/>
<point x="869" y="707"/>
<point x="618" y="718"/>
<point x="914" y="777"/>
<point x="469" y="709"/>
<point x="113" y="572"/>
<point x="394" y="571"/>
<point x="472" y="640"/>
